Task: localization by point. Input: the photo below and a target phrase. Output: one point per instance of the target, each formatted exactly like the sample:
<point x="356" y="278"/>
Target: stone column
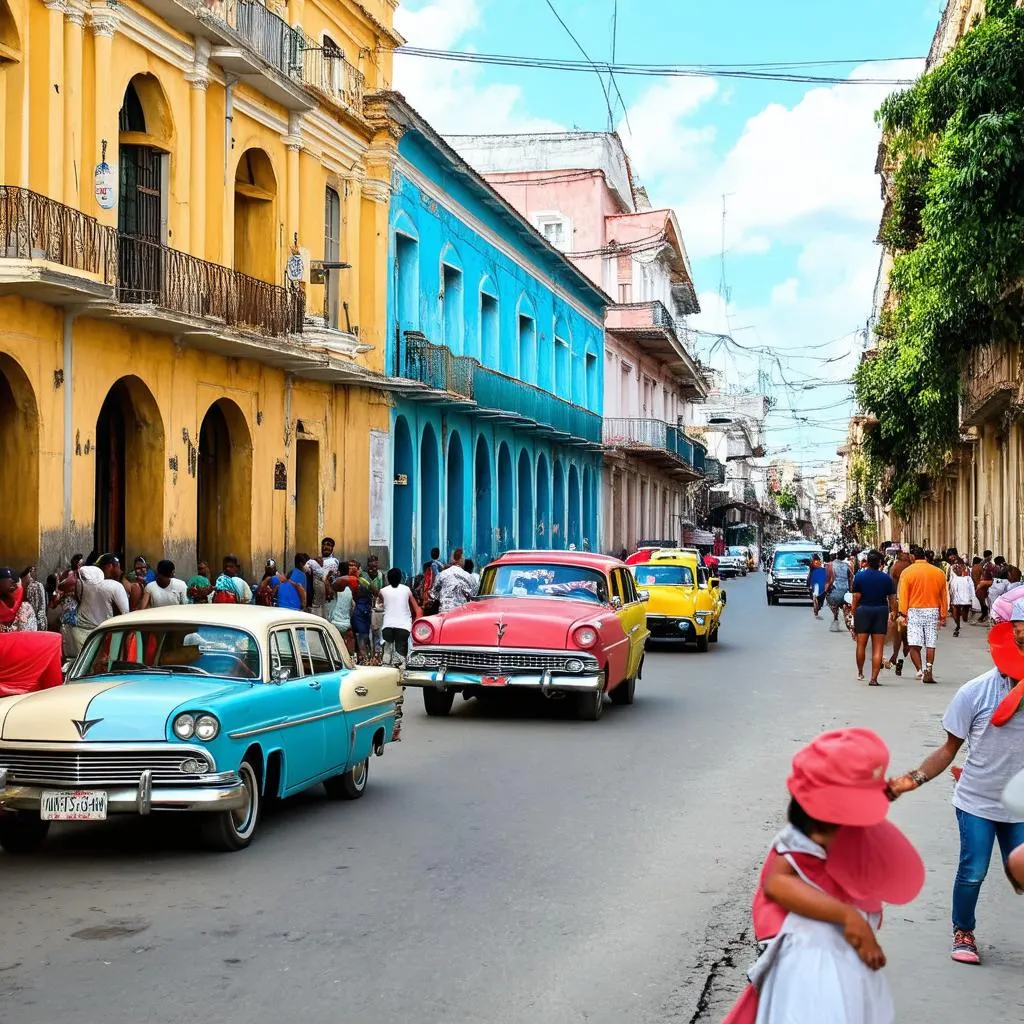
<point x="74" y="23"/>
<point x="198" y="79"/>
<point x="350" y="212"/>
<point x="104" y="21"/>
<point x="55" y="98"/>
<point x="293" y="183"/>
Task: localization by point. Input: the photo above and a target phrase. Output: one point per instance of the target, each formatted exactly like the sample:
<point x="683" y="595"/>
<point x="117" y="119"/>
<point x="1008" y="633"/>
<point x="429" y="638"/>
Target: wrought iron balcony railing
<point x="152" y="274"/>
<point x="442" y="371"/>
<point x="991" y="376"/>
<point x="654" y="436"/>
<point x="325" y="71"/>
<point x="268" y="35"/>
<point x="714" y="471"/>
<point x="34" y="227"/>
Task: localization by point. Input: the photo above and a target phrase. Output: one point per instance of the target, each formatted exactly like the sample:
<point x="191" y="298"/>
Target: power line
<point x="780" y="72"/>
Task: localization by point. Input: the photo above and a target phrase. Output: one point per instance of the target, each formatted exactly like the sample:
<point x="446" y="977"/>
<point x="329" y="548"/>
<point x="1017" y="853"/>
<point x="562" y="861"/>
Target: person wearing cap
<point x="984" y="714"/>
<point x="165" y="589"/>
<point x="16" y="614"/>
<point x="821" y="890"/>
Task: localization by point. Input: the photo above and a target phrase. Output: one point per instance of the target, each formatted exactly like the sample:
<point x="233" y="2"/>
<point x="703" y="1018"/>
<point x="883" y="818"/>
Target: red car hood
<point x="540" y="623"/>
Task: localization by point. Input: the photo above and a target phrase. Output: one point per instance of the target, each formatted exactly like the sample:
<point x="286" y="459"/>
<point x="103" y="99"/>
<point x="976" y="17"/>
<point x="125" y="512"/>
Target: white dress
<point x="810" y="974"/>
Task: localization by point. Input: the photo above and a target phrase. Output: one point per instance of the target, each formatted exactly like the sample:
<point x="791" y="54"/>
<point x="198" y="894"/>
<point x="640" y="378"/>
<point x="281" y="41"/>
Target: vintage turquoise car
<point x="204" y="708"/>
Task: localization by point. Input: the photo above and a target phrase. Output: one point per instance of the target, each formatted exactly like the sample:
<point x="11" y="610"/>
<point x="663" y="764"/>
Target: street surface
<point x="515" y="866"/>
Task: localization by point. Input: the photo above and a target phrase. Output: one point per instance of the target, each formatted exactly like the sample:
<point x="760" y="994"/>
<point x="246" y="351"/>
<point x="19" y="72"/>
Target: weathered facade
<point x="175" y="183"/>
<point x="495" y="346"/>
<point x="976" y="502"/>
<point x="577" y="188"/>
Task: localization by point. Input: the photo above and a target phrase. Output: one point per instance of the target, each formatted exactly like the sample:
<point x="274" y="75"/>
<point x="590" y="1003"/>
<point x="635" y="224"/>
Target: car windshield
<point x="663" y="575"/>
<point x="738" y="552"/>
<point x="529" y="580"/>
<point x="791" y="561"/>
<point x="190" y="648"/>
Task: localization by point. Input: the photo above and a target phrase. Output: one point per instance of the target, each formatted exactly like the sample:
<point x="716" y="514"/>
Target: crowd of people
<point x="373" y="610"/>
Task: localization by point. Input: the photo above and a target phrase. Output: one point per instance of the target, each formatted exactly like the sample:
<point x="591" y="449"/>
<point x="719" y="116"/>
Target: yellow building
<point x="193" y="276"/>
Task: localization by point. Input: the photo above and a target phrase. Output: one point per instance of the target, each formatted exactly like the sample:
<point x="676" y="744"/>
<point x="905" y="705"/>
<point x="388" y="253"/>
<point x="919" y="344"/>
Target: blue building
<point x="496" y="347"/>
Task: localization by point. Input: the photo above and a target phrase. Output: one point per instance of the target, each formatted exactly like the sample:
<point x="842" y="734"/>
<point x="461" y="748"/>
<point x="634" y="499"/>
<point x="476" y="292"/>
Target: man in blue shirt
<point x="816" y="576"/>
<point x="874" y="607"/>
<point x="288" y="591"/>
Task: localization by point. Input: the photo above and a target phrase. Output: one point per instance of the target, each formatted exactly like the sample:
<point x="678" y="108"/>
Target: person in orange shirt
<point x="924" y="605"/>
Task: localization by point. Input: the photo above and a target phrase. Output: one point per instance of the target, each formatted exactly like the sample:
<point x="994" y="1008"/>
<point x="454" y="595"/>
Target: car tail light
<point x="423" y="632"/>
<point x="585" y="637"/>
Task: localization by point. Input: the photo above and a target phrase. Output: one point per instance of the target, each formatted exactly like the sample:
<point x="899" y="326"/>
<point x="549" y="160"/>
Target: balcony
<point x="714" y="472"/>
<point x="990" y="378"/>
<point x="182" y="290"/>
<point x="52" y="252"/>
<point x="432" y="373"/>
<point x="658" y="443"/>
<point x="650" y="326"/>
<point x="333" y="78"/>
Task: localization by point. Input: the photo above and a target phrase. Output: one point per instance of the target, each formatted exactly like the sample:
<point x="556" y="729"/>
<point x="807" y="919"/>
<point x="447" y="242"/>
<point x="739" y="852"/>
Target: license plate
<point x="73" y="805"/>
<point x="494" y="681"/>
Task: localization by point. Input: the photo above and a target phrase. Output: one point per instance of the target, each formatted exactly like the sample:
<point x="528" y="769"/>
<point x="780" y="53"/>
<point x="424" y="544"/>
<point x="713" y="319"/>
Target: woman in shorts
<point x="874" y="607"/>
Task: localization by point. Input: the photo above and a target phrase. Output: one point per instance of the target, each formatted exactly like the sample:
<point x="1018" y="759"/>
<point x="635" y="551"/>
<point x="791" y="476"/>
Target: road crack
<point x="726" y="961"/>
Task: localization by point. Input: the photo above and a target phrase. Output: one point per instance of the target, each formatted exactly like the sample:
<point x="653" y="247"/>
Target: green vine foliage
<point x="955" y="223"/>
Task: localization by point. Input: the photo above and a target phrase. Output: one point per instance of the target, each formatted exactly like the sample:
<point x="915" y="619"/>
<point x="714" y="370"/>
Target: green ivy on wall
<point x="955" y="223"/>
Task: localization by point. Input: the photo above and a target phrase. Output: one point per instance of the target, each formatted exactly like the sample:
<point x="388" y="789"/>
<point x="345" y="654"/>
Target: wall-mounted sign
<point x="401" y="480"/>
<point x="105" y="186"/>
<point x="280" y="476"/>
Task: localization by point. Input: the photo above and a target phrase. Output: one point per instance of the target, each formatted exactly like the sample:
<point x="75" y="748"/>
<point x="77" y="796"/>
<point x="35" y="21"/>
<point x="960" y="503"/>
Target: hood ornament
<point x="85" y="725"/>
<point x="502" y="626"/>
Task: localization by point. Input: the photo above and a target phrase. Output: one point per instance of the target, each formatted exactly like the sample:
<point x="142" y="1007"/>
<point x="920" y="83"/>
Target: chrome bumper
<point x="227" y="794"/>
<point x="546" y="682"/>
<point x="682" y="627"/>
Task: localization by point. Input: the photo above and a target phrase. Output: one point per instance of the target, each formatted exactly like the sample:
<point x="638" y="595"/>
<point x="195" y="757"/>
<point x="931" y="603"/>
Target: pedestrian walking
<point x="453" y="588"/>
<point x="981" y="573"/>
<point x="874" y="607"/>
<point x="817" y="575"/>
<point x="995" y="756"/>
<point x="837" y="586"/>
<point x="400" y="610"/>
<point x="362" y="614"/>
<point x="924" y="606"/>
<point x="16" y="614"/>
<point x="100" y="594"/>
<point x="166" y="589"/>
<point x="35" y="595"/>
<point x="961" y="593"/>
<point x="821" y="892"/>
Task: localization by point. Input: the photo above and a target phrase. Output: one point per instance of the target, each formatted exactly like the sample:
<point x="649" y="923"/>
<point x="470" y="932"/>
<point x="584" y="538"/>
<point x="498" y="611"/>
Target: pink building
<point x="578" y="190"/>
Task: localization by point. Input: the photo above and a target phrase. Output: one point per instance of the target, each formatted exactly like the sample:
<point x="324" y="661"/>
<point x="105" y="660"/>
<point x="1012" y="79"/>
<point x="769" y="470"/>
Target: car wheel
<point x="590" y="705"/>
<point x="714" y="635"/>
<point x="22" y="833"/>
<point x="702" y="643"/>
<point x="350" y="784"/>
<point x="437" y="702"/>
<point x="625" y="692"/>
<point x="228" y="831"/>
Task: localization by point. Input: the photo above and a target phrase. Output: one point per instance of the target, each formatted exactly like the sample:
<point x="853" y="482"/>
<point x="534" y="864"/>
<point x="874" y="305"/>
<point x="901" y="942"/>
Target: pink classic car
<point x="569" y="624"/>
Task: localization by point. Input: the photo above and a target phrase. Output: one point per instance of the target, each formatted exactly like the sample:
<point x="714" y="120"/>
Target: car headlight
<point x="574" y="665"/>
<point x="423" y="632"/>
<point x="585" y="637"/>
<point x="206" y="728"/>
<point x="184" y="726"/>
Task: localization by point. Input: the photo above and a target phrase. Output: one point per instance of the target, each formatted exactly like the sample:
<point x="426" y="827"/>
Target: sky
<point x="794" y="162"/>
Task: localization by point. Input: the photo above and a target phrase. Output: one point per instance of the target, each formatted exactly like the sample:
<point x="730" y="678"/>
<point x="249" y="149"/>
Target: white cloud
<point x="786" y="294"/>
<point x="451" y="96"/>
<point x="654" y="133"/>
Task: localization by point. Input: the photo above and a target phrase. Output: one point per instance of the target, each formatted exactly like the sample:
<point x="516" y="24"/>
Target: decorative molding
<point x="198" y="82"/>
<point x="104" y="19"/>
<point x="57" y="6"/>
<point x="377" y="190"/>
<point x="75" y="15"/>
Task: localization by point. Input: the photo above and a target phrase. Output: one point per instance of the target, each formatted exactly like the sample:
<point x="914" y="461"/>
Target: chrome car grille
<point x="88" y="768"/>
<point x="495" y="660"/>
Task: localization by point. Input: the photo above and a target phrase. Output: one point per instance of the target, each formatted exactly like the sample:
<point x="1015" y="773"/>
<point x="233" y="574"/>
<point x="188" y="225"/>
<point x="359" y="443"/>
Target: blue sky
<point x="795" y="161"/>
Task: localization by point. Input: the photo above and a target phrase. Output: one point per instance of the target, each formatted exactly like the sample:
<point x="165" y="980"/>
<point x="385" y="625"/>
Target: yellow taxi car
<point x="685" y="602"/>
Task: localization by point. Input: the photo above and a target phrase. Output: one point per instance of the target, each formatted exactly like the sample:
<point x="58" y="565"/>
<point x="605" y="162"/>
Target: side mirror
<point x="281" y="675"/>
<point x="616" y="603"/>
<point x="644" y="595"/>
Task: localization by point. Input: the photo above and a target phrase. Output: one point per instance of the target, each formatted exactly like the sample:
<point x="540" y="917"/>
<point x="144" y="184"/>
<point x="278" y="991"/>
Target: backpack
<point x="224" y="597"/>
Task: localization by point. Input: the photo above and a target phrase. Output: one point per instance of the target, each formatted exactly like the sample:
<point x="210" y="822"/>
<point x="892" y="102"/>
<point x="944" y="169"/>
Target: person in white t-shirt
<point x="100" y="595"/>
<point x="400" y="609"/>
<point x="165" y="589"/>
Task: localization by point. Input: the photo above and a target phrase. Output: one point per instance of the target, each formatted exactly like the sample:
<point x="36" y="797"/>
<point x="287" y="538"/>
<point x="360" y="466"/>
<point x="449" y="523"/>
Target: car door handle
<point x="635" y="628"/>
<point x="314" y="684"/>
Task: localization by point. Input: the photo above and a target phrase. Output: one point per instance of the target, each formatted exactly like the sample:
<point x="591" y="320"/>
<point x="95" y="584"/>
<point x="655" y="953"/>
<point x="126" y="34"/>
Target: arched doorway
<point x="574" y="506"/>
<point x="129" y="495"/>
<point x="589" y="524"/>
<point x="542" y="534"/>
<point x="256" y="216"/>
<point x="505" y="504"/>
<point x="526" y="520"/>
<point x="430" y="494"/>
<point x="224" y="507"/>
<point x="145" y="130"/>
<point x="455" y="507"/>
<point x="482" y="487"/>
<point x="19" y="465"/>
<point x="402" y="500"/>
<point x="558" y="528"/>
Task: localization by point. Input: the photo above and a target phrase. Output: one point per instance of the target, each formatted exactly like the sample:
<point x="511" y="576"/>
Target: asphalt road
<point x="508" y="866"/>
